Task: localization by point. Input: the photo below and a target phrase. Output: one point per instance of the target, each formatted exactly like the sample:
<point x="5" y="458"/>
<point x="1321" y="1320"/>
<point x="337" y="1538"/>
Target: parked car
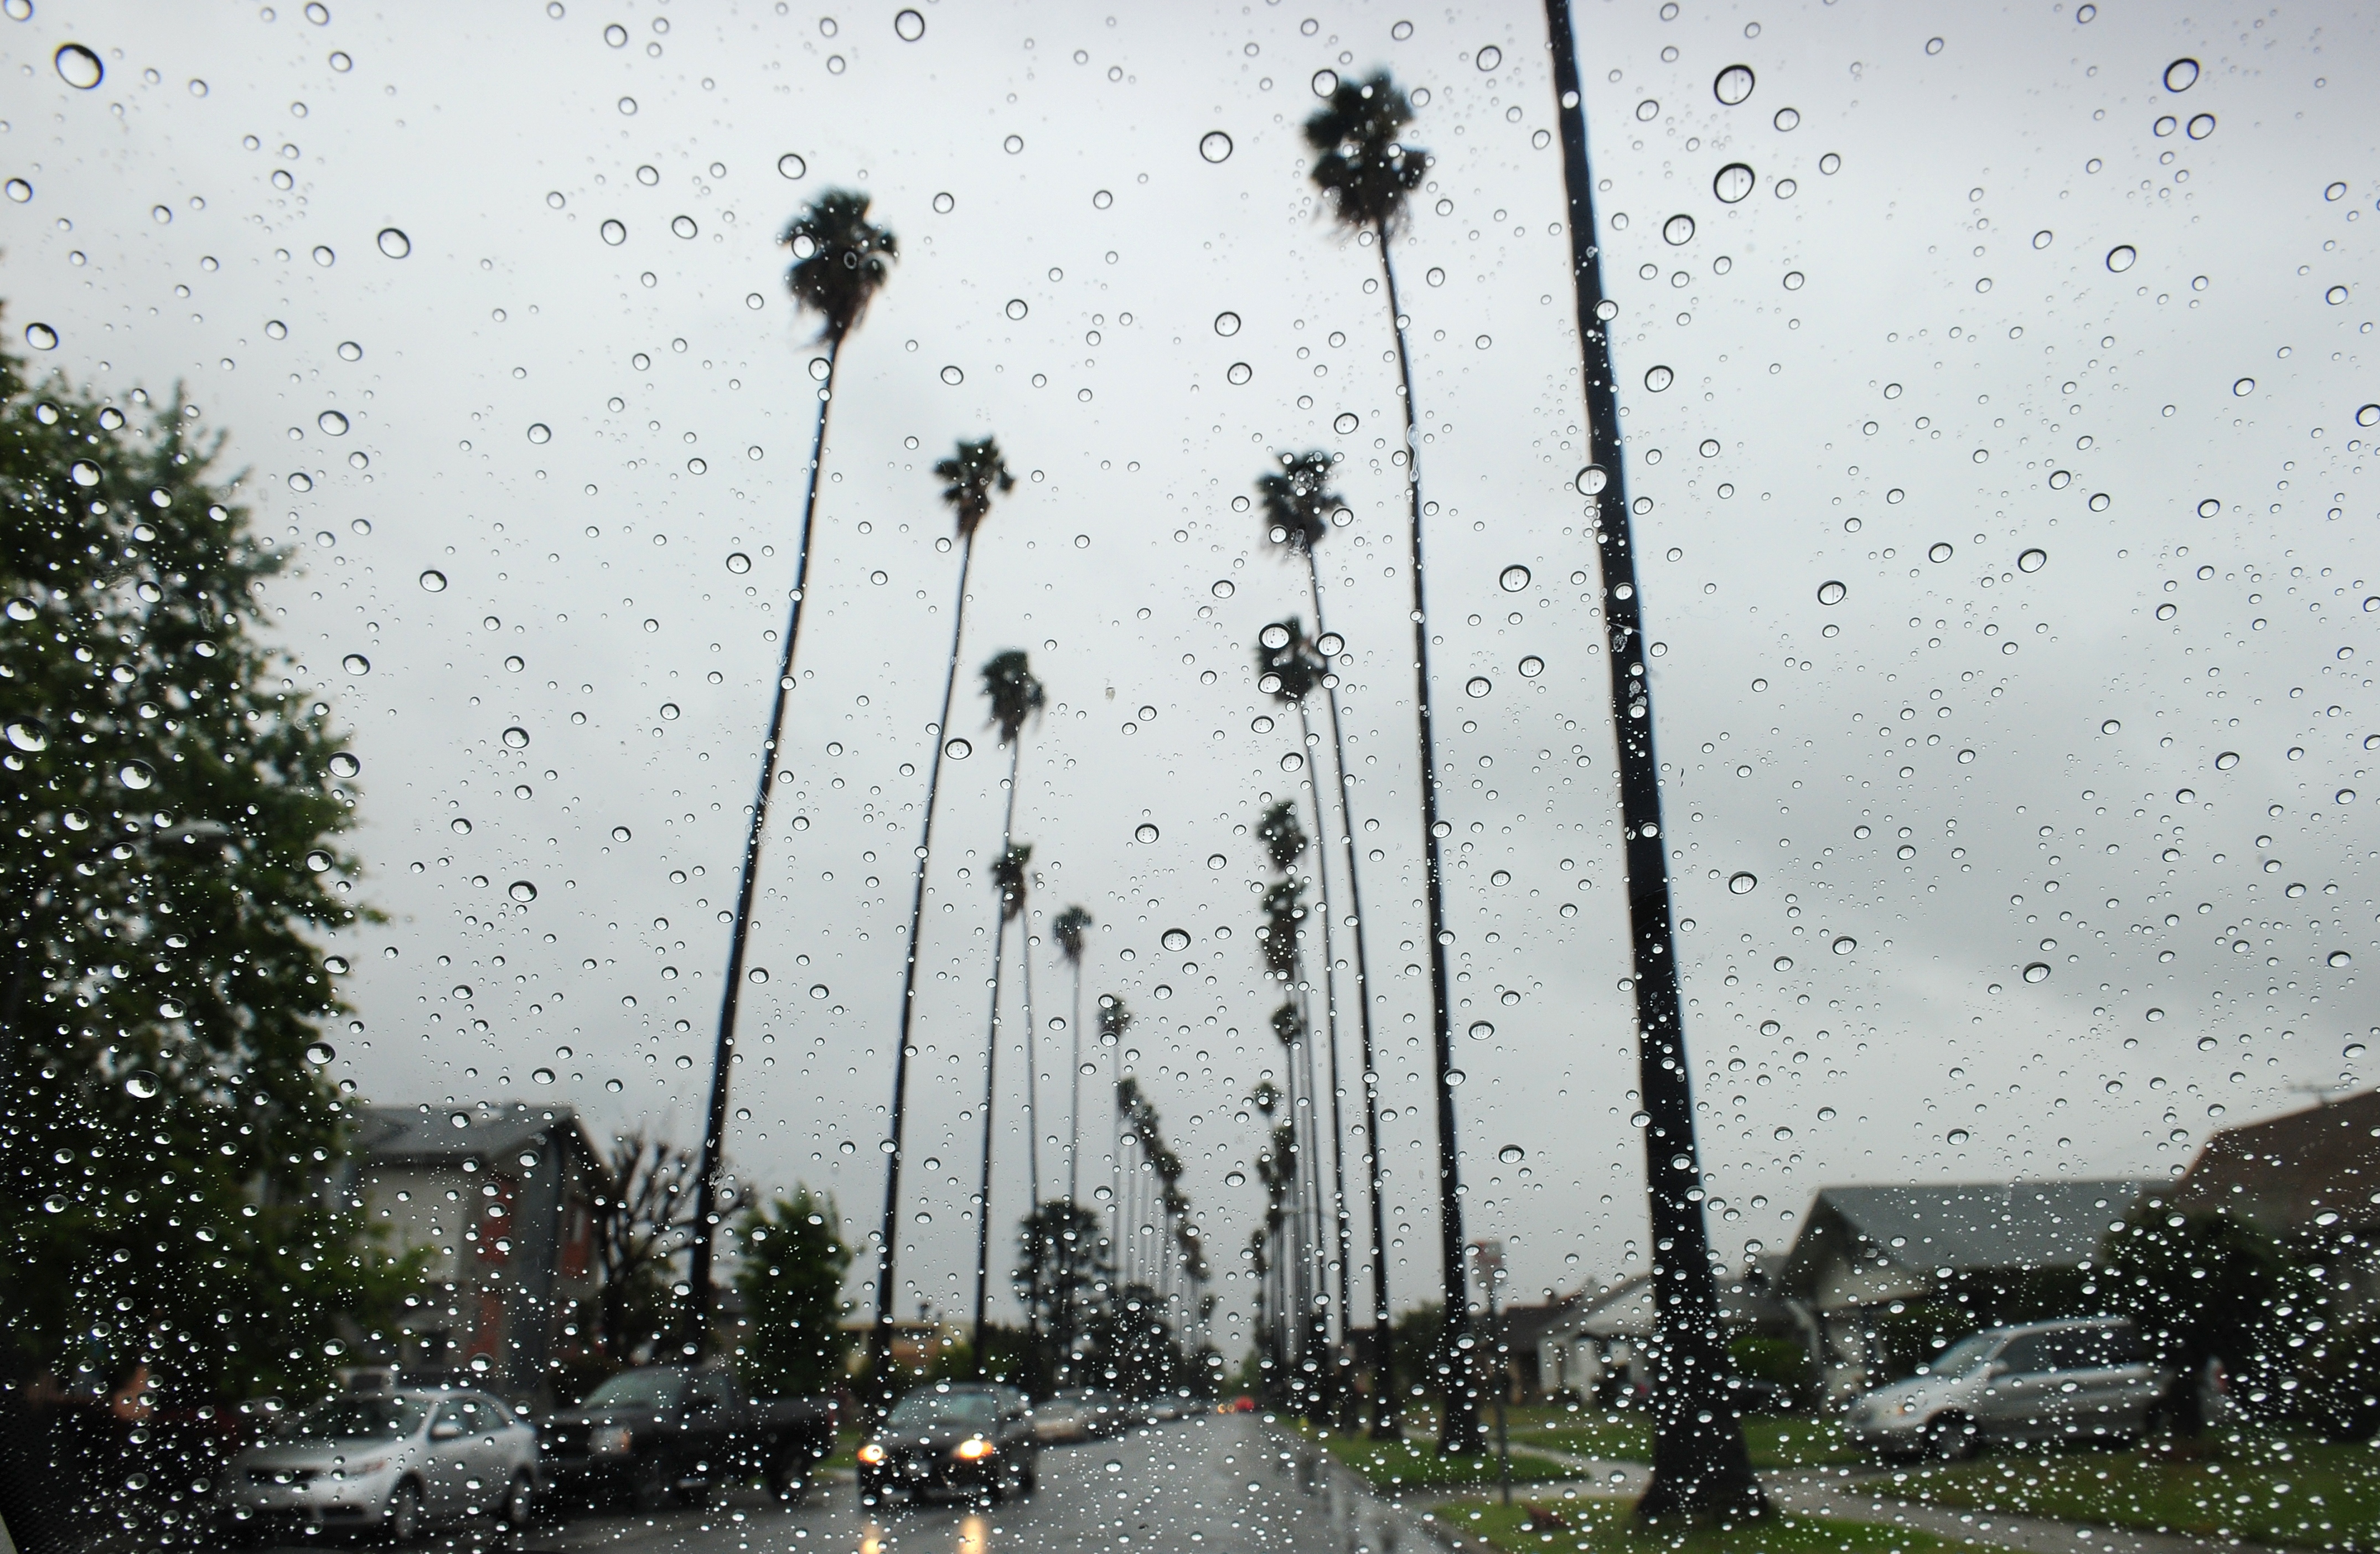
<point x="2089" y="1379"/>
<point x="1104" y="1413"/>
<point x="1062" y="1420"/>
<point x="659" y="1432"/>
<point x="391" y="1462"/>
<point x="975" y="1442"/>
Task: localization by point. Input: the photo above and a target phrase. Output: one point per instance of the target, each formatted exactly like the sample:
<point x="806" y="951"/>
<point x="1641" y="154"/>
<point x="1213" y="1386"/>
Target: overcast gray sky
<point x="1906" y="360"/>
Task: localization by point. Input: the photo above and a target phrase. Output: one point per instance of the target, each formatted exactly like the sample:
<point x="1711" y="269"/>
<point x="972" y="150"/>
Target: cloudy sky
<point x="2051" y="853"/>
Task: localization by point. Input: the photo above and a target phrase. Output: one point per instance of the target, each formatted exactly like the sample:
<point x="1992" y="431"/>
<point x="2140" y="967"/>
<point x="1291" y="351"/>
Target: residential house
<point x="1879" y="1276"/>
<point x="2310" y="1177"/>
<point x="1596" y="1342"/>
<point x="500" y="1202"/>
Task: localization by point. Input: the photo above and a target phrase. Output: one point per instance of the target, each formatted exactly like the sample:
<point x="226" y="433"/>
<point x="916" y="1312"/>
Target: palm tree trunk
<point x="991" y="1066"/>
<point x="1386" y="1415"/>
<point x="1342" y="1393"/>
<point x="1033" y="1142"/>
<point x="714" y="1131"/>
<point x="880" y="1340"/>
<point x="1700" y="1467"/>
<point x="1459" y="1431"/>
<point x="1074" y="1150"/>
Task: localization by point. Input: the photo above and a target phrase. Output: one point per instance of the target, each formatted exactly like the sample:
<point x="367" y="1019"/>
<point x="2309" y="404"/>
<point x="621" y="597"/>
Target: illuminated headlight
<point x="871" y="1453"/>
<point x="973" y="1451"/>
<point x="612" y="1442"/>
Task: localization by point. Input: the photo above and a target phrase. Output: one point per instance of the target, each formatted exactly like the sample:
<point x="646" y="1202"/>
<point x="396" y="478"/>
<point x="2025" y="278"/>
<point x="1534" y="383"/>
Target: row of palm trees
<point x="1366" y="174"/>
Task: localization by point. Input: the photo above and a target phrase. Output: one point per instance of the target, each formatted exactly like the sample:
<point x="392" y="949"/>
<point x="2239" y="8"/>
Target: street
<point x="1213" y="1482"/>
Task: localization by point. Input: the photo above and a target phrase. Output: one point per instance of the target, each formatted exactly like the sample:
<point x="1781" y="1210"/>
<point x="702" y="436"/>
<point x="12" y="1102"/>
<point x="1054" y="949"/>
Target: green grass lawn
<point x="1601" y="1525"/>
<point x="1775" y="1442"/>
<point x="1406" y="1466"/>
<point x="2265" y="1488"/>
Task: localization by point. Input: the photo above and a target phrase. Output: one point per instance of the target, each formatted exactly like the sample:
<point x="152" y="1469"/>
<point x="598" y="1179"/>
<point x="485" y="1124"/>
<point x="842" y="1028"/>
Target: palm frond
<point x="1362" y="165"/>
<point x="971" y="478"/>
<point x="1069" y="929"/>
<point x="840" y="259"/>
<point x="1298" y="503"/>
<point x="1015" y="696"/>
<point x="1287" y="666"/>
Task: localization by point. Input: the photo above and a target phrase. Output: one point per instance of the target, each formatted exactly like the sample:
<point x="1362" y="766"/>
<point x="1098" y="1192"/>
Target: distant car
<point x="391" y="1462"/>
<point x="2080" y="1380"/>
<point x="1164" y="1408"/>
<point x="656" y="1432"/>
<point x="1241" y="1404"/>
<point x="973" y="1442"/>
<point x="1104" y="1413"/>
<point x="1063" y="1421"/>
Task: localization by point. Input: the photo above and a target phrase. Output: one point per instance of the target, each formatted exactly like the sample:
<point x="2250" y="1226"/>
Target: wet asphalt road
<point x="1201" y="1485"/>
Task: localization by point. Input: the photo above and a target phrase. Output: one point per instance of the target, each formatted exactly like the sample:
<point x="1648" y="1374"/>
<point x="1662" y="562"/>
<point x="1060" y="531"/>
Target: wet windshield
<point x="659" y="1390"/>
<point x="929" y="1410"/>
<point x="355" y="1418"/>
<point x="1964" y="1355"/>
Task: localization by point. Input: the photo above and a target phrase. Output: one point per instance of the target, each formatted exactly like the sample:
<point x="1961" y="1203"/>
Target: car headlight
<point x="871" y="1453"/>
<point x="973" y="1451"/>
<point x="612" y="1442"/>
<point x="365" y="1470"/>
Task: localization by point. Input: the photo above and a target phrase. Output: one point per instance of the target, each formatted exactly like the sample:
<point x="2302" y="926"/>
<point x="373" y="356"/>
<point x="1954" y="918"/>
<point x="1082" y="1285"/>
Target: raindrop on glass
<point x="1481" y="1030"/>
<point x="1215" y="146"/>
<point x="1513" y="578"/>
<point x="345" y="765"/>
<point x="1144" y="832"/>
<point x="2033" y="561"/>
<point x="1658" y="378"/>
<point x="320" y="1052"/>
<point x="1346" y="423"/>
<point x="2037" y="971"/>
<point x="1217" y="860"/>
<point x="28" y="735"/>
<point x="141" y="1086"/>
<point x="1325" y="82"/>
<point x="683" y="226"/>
<point x="791" y="165"/>
<point x="2120" y="257"/>
<point x="615" y="232"/>
<point x="1678" y="229"/>
<point x="908" y="26"/>
<point x="1239" y="372"/>
<point x="332" y="422"/>
<point x="958" y="749"/>
<point x="1488" y="57"/>
<point x="1222" y="587"/>
<point x="1940" y="552"/>
<point x="2242" y="387"/>
<point x="1741" y="883"/>
<point x="434" y="581"/>
<point x="1511" y="1154"/>
<point x="356" y="664"/>
<point x="1227" y="324"/>
<point x="2340" y="957"/>
<point x="393" y="243"/>
<point x="1734" y="85"/>
<point x="41" y="337"/>
<point x="1478" y="685"/>
<point x="1733" y="184"/>
<point x="1176" y="940"/>
<point x="319" y="861"/>
<point x="1532" y="666"/>
<point x="2226" y="760"/>
<point x="78" y="66"/>
<point x="1831" y="592"/>
<point x="953" y="376"/>
<point x="2182" y="75"/>
<point x="1844" y="945"/>
<point x="540" y="432"/>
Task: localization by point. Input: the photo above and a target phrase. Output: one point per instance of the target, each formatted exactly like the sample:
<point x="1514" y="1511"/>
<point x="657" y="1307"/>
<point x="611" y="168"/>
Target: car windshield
<point x="658" y="1390"/>
<point x="376" y="1418"/>
<point x="921" y="1410"/>
<point x="1964" y="1355"/>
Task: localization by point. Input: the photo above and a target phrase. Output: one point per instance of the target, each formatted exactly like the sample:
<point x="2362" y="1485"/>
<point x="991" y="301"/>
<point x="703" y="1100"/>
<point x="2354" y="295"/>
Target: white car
<point x="389" y="1462"/>
<point x="2089" y="1379"/>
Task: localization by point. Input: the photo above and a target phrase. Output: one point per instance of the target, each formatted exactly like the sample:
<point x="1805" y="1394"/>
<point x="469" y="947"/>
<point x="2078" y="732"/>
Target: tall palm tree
<point x="1287" y="669"/>
<point x="971" y="478"/>
<point x="841" y="260"/>
<point x="1366" y="170"/>
<point x="1700" y="1467"/>
<point x="1115" y="1019"/>
<point x="1072" y="924"/>
<point x="1008" y="880"/>
<point x="1299" y="509"/>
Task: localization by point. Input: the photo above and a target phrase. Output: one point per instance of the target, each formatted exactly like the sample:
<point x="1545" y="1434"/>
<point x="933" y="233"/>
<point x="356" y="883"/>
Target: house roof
<point x="2284" y="1171"/>
<point x="1963" y="1226"/>
<point x="387" y="1135"/>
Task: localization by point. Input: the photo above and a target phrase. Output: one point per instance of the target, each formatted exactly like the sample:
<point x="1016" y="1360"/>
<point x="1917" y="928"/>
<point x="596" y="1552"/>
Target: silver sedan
<point x="389" y="1462"/>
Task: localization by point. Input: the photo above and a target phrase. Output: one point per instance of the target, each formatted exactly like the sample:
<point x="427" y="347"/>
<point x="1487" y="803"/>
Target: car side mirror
<point x="446" y="1429"/>
<point x="1996" y="1369"/>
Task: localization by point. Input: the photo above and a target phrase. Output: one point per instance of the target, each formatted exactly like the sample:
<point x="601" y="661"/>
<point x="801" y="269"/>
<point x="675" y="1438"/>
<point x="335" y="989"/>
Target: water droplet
<point x="2036" y="971"/>
<point x="1488" y="59"/>
<point x="517" y="737"/>
<point x="18" y="191"/>
<point x="333" y="422"/>
<point x="356" y="664"/>
<point x="2226" y="760"/>
<point x="1217" y="860"/>
<point x="1966" y="758"/>
<point x="627" y="106"/>
<point x="2182" y="75"/>
<point x="668" y="711"/>
<point x="683" y="226"/>
<point x="2201" y="125"/>
<point x="28" y="735"/>
<point x="393" y="243"/>
<point x="613" y="232"/>
<point x="1325" y="82"/>
<point x="1941" y="550"/>
<point x="1144" y="832"/>
<point x="2033" y="560"/>
<point x="1532" y="666"/>
<point x="1513" y="578"/>
<point x="1227" y="324"/>
<point x="1844" y="945"/>
<point x="323" y="256"/>
<point x="1741" y="883"/>
<point x="2344" y="795"/>
<point x="757" y="974"/>
<point x="1239" y="372"/>
<point x="1454" y="1078"/>
<point x="1787" y="119"/>
<point x="1679" y="229"/>
<point x="1017" y="308"/>
<point x="345" y="765"/>
<point x="953" y="376"/>
<point x="1783" y="1134"/>
<point x="540" y="432"/>
<point x="1831" y="592"/>
<point x="1481" y="1030"/>
<point x="1733" y="184"/>
<point x="2340" y="957"/>
<point x="944" y="204"/>
<point x="2367" y="415"/>
<point x="1222" y="587"/>
<point x="958" y="749"/>
<point x="1957" y="1136"/>
<point x="1734" y="85"/>
<point x="2335" y="295"/>
<point x="1658" y="378"/>
<point x="1215" y="146"/>
<point x="320" y="1053"/>
<point x="1793" y="280"/>
<point x="1511" y="1154"/>
<point x="41" y="337"/>
<point x="908" y="26"/>
<point x="1591" y="481"/>
<point x="542" y="1075"/>
<point x="1177" y="938"/>
<point x="78" y="66"/>
<point x="1478" y="685"/>
<point x="141" y="1086"/>
<point x="301" y="481"/>
<point x="136" y="775"/>
<point x="2120" y="257"/>
<point x="1330" y="644"/>
<point x="434" y="581"/>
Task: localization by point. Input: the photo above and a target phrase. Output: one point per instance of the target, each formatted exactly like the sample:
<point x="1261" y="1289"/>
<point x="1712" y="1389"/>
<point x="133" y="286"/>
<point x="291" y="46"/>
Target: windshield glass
<point x="354" y="1418"/>
<point x="661" y="1390"/>
<point x="921" y="1410"/>
<point x="1964" y="1355"/>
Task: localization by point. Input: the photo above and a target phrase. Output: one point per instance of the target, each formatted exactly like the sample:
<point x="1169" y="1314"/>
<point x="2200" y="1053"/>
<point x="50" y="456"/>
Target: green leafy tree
<point x="791" y="1279"/>
<point x="170" y="862"/>
<point x="2202" y="1287"/>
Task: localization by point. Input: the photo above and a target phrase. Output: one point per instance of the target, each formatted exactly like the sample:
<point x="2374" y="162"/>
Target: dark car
<point x="659" y="1432"/>
<point x="971" y="1441"/>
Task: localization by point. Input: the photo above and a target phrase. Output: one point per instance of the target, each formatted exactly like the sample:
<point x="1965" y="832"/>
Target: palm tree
<point x="840" y="263"/>
<point x="971" y="478"/>
<point x="1008" y="880"/>
<point x="1288" y="669"/>
<point x="1366" y="170"/>
<point x="1114" y="1020"/>
<point x="1069" y="929"/>
<point x="1700" y="1467"/>
<point x="1299" y="510"/>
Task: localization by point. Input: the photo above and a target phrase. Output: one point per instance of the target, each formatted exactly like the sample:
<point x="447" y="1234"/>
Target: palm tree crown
<point x="1008" y="877"/>
<point x="1284" y="838"/>
<point x="840" y="260"/>
<point x="1298" y="501"/>
<point x="1286" y="667"/>
<point x="1363" y="167"/>
<point x="971" y="478"/>
<point x="1015" y="696"/>
<point x="1069" y="929"/>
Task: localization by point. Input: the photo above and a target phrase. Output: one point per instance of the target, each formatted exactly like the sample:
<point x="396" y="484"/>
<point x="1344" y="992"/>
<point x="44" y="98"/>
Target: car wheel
<point x="520" y="1500"/>
<point x="789" y="1474"/>
<point x="649" y="1486"/>
<point x="402" y="1521"/>
<point x="1952" y="1437"/>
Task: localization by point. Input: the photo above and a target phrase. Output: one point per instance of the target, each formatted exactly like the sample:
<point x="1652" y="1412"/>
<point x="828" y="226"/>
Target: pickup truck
<point x="659" y="1433"/>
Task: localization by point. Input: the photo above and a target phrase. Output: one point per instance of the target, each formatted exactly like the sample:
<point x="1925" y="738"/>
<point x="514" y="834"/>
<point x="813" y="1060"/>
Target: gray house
<point x="500" y="1200"/>
<point x="1954" y="1257"/>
